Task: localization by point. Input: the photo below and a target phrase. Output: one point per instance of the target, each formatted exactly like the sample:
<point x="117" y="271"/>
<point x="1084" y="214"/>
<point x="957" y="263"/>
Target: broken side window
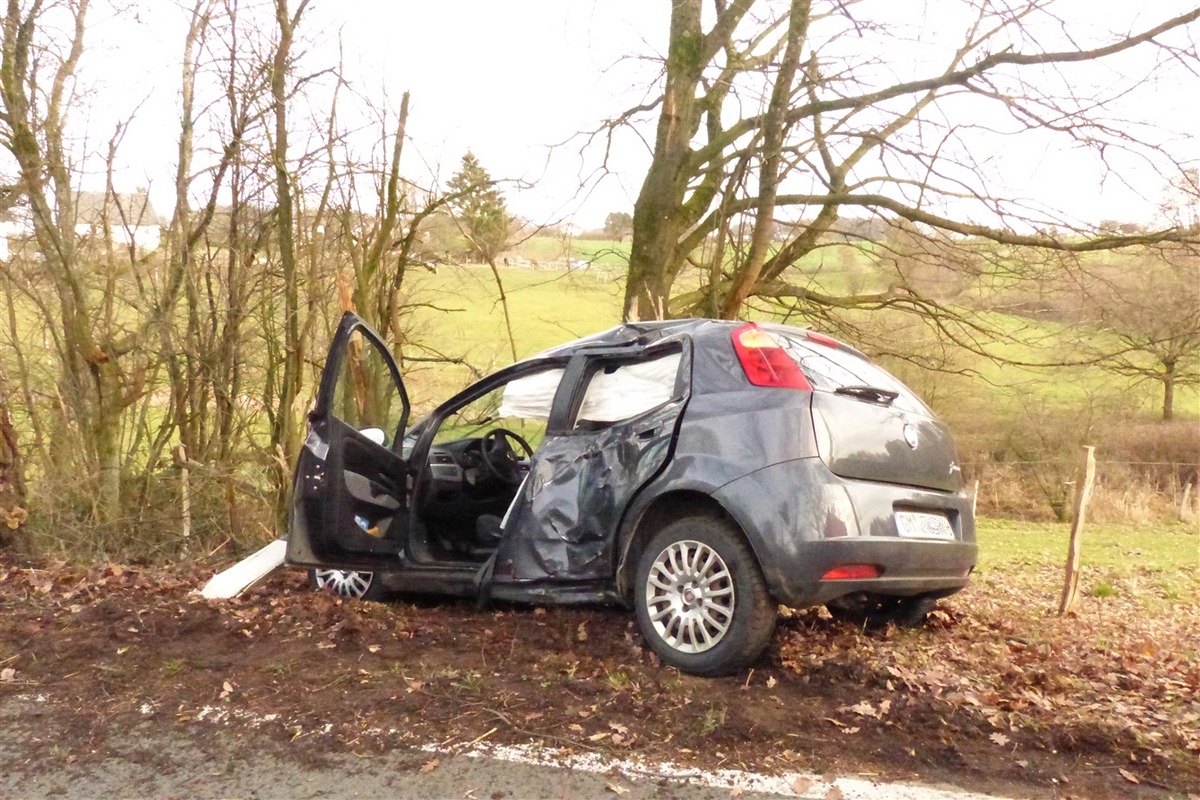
<point x="617" y="392"/>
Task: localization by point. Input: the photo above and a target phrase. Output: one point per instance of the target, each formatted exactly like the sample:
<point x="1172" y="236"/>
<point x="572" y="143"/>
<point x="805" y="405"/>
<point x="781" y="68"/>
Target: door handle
<point x="649" y="433"/>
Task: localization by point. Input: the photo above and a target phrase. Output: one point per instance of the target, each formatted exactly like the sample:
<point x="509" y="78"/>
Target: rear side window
<point x="621" y="391"/>
<point x="830" y="368"/>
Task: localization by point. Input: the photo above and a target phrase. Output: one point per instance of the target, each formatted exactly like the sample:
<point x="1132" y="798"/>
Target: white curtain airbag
<point x="630" y="389"/>
<point x="530" y="397"/>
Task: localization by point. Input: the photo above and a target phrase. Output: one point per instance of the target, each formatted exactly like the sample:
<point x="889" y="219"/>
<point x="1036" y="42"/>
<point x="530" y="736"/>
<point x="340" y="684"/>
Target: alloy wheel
<point x="690" y="596"/>
<point x="344" y="583"/>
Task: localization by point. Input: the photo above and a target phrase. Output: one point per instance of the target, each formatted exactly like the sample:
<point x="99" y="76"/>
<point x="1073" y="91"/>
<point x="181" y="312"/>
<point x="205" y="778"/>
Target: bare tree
<point x="742" y="196"/>
<point x="285" y="428"/>
<point x="1147" y="309"/>
<point x="37" y="86"/>
<point x="12" y="474"/>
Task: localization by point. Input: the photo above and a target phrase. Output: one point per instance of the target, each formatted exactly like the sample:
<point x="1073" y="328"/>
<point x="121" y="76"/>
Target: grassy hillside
<point x="464" y="318"/>
<point x="552" y="306"/>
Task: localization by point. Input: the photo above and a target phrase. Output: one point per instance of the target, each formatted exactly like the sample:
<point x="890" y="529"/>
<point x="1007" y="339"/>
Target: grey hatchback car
<point x="702" y="472"/>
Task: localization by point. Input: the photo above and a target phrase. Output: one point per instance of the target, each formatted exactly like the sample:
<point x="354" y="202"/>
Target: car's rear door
<point x="350" y="491"/>
<point x="615" y="418"/>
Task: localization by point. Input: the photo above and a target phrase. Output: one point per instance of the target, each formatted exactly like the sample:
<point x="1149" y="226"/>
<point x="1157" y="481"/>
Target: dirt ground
<point x="109" y="653"/>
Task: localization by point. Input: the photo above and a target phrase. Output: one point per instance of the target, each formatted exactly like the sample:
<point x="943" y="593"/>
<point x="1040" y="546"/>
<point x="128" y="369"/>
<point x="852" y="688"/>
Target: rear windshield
<point x="830" y="368"/>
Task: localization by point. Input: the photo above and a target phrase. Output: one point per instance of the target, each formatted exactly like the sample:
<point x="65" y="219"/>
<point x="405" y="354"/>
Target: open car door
<point x="350" y="500"/>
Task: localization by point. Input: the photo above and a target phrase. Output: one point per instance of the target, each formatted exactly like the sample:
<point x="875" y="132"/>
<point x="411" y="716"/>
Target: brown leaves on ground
<point x="1112" y="681"/>
<point x="995" y="688"/>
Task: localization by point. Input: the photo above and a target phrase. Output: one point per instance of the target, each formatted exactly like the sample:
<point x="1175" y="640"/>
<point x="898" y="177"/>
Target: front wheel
<point x="701" y="599"/>
<point x="347" y="583"/>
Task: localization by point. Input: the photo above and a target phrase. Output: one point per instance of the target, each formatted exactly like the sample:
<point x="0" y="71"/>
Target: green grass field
<point x="1145" y="561"/>
<point x="464" y="318"/>
<point x="552" y="306"/>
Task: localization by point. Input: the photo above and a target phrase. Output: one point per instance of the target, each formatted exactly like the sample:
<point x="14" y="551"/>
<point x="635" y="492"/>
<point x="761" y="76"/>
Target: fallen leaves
<point x="865" y="709"/>
<point x="1114" y="681"/>
<point x="802" y="785"/>
<point x="14" y="517"/>
<point x="991" y="679"/>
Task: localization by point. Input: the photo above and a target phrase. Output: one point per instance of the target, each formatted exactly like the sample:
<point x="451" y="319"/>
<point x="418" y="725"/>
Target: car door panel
<point x="350" y="499"/>
<point x="581" y="481"/>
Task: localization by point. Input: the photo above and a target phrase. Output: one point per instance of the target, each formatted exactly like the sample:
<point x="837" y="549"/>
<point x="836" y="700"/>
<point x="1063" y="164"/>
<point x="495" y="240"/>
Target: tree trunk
<point x="284" y="438"/>
<point x="12" y="478"/>
<point x="106" y="438"/>
<point x="657" y="221"/>
<point x="1168" y="382"/>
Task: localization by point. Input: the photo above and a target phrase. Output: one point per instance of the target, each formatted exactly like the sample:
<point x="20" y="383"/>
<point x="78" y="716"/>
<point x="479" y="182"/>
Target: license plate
<point x="919" y="525"/>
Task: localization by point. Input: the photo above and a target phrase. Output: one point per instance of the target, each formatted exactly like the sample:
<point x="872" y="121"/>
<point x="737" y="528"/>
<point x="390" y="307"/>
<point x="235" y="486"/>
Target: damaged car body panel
<point x="614" y="435"/>
<point x="699" y="471"/>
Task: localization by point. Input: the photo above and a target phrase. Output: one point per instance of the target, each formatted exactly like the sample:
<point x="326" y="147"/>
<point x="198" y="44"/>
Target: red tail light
<point x="851" y="572"/>
<point x="765" y="362"/>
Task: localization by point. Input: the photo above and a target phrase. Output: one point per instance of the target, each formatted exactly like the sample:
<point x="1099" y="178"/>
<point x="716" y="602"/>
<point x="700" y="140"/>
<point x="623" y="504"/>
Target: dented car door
<point x="611" y="431"/>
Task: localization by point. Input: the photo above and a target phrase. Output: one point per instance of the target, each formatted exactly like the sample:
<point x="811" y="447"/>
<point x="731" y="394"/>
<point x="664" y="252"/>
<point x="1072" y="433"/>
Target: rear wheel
<point x="346" y="583"/>
<point x="700" y="598"/>
<point x="876" y="611"/>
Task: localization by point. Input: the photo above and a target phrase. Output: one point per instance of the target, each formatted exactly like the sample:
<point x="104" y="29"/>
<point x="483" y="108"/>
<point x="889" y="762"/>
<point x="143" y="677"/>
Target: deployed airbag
<point x="627" y="390"/>
<point x="530" y="397"/>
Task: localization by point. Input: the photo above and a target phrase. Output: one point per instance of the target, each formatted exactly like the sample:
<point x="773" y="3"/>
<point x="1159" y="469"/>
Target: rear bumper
<point x="909" y="568"/>
<point x="802" y="521"/>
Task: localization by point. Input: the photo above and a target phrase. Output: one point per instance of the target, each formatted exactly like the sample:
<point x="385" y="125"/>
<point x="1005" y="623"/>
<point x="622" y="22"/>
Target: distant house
<point x="129" y="216"/>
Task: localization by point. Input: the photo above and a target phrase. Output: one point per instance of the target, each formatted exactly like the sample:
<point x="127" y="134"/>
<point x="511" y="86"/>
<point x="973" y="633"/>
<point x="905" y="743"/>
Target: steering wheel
<point x="501" y="459"/>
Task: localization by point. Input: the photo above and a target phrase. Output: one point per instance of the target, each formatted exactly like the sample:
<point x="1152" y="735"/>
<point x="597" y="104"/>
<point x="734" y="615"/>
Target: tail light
<point x="765" y="362"/>
<point x="851" y="572"/>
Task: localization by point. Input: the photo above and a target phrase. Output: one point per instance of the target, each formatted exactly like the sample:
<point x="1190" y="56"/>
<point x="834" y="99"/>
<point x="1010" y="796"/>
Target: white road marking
<point x="787" y="784"/>
<point x="804" y="785"/>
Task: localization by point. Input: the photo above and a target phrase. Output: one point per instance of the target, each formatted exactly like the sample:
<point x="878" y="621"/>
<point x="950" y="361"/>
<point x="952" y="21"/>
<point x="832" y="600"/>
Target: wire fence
<point x="1124" y="491"/>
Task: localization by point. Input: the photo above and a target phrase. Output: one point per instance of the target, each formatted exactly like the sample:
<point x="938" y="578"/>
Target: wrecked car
<point x="700" y="472"/>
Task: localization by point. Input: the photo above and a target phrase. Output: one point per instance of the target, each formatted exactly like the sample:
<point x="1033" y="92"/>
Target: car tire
<point x="350" y="584"/>
<point x="700" y="597"/>
<point x="878" y="612"/>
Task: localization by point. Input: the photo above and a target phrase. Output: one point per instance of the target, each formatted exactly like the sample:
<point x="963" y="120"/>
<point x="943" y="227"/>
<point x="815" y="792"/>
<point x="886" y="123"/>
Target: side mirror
<point x="375" y="435"/>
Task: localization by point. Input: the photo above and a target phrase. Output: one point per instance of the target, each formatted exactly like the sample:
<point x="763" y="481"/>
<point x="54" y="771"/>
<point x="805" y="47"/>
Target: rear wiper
<point x="871" y="393"/>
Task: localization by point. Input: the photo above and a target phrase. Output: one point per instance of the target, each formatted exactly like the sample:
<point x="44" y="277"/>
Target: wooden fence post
<point x="1083" y="492"/>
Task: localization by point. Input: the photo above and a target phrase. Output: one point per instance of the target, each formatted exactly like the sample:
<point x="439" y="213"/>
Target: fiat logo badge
<point x="910" y="435"/>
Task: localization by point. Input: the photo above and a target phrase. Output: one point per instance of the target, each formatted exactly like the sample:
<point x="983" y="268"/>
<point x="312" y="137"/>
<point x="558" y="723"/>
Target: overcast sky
<point x="509" y="79"/>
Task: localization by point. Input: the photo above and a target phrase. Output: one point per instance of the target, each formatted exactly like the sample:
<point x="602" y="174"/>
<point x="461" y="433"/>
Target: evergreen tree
<point x="479" y="209"/>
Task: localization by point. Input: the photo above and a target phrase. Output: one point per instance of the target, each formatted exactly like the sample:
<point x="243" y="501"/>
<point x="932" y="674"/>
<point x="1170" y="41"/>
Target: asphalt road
<point x="161" y="758"/>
